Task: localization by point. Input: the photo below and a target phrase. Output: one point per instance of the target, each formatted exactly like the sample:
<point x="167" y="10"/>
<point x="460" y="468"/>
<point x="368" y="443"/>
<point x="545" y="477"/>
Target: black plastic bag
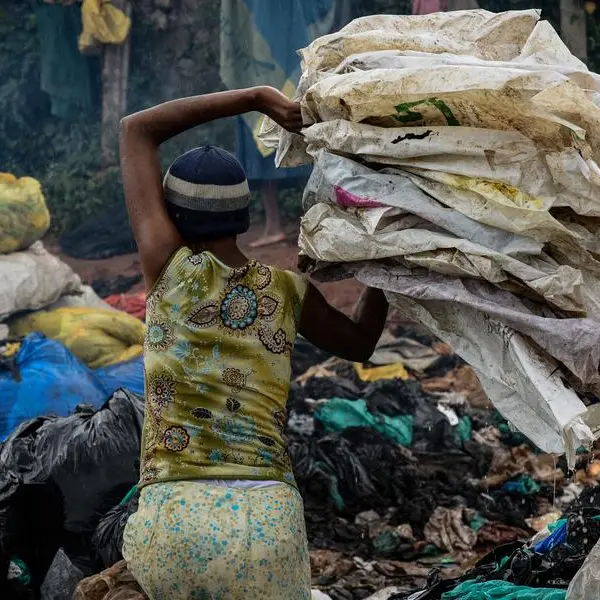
<point x="306" y="355"/>
<point x="393" y="397"/>
<point x="108" y="538"/>
<point x="31" y="527"/>
<point x="59" y="475"/>
<point x="91" y="456"/>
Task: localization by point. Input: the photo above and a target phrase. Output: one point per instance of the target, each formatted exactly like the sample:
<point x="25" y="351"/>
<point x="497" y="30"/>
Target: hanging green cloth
<point x="501" y="590"/>
<point x="65" y="72"/>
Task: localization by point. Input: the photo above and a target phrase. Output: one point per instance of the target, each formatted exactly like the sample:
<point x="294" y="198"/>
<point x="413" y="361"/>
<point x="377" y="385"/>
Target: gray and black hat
<point x="207" y="194"/>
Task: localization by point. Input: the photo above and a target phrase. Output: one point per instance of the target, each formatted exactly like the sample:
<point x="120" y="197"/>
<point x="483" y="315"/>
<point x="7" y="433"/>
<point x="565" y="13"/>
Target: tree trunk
<point x="115" y="72"/>
<point x="573" y="28"/>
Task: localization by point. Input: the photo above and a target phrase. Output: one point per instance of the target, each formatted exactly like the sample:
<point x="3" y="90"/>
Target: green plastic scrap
<point x="524" y="485"/>
<point x="129" y="496"/>
<point x="465" y="429"/>
<point x="501" y="590"/>
<point x="477" y="522"/>
<point x="338" y="414"/>
<point x="19" y="571"/>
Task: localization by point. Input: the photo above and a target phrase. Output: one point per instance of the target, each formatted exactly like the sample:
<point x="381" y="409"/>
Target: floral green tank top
<point x="217" y="359"/>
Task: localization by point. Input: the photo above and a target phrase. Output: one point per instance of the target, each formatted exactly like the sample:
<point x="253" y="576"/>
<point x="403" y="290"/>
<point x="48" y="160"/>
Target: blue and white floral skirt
<point x="192" y="540"/>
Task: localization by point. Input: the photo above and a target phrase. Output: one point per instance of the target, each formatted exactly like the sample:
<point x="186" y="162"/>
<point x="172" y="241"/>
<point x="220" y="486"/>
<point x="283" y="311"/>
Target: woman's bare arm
<point x="352" y="338"/>
<point x="142" y="133"/>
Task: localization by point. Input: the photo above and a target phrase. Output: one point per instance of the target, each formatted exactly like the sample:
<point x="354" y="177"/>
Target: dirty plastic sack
<point x="478" y="33"/>
<point x="525" y="386"/>
<point x="333" y="234"/>
<point x="24" y="216"/>
<point x="586" y="583"/>
<point x="464" y="151"/>
<point x="61" y="580"/>
<point x="49" y="381"/>
<point x="33" y="279"/>
<point x="96" y="337"/>
<point x="92" y="456"/>
<point x="128" y="375"/>
<point x="86" y="297"/>
<point x="500" y="99"/>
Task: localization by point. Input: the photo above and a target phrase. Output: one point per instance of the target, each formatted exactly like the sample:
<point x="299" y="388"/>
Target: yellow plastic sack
<point x="394" y="371"/>
<point x="97" y="337"/>
<point x="103" y="23"/>
<point x="24" y="216"/>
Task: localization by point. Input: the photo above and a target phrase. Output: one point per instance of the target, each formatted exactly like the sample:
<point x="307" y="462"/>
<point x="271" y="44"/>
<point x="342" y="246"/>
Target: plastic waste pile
<point x="408" y="474"/>
<point x="456" y="167"/>
<point x="60" y="344"/>
<point x="412" y="479"/>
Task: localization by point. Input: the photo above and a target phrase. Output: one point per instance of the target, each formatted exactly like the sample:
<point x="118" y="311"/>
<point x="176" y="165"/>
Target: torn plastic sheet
<point x="522" y="381"/>
<point x="339" y="180"/>
<point x="552" y="178"/>
<point x="333" y="234"/>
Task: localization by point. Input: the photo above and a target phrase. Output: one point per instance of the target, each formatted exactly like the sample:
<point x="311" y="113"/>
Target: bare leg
<point x="273" y="230"/>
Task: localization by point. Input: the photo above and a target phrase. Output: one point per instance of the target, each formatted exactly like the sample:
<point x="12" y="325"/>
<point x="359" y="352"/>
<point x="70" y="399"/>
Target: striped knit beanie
<point x="207" y="195"/>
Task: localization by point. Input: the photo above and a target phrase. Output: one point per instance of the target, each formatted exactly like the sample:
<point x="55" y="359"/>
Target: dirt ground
<point x="342" y="294"/>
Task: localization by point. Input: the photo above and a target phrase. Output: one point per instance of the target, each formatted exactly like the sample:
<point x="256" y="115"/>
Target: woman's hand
<point x="280" y="108"/>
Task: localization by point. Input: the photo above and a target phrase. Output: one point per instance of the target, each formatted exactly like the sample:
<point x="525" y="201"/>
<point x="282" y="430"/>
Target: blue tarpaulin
<point x="50" y="380"/>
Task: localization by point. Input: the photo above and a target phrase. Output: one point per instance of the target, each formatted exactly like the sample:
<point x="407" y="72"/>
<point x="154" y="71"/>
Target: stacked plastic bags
<point x="89" y="349"/>
<point x="455" y="166"/>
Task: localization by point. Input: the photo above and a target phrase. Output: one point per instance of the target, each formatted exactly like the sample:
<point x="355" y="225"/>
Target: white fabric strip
<point x="245" y="484"/>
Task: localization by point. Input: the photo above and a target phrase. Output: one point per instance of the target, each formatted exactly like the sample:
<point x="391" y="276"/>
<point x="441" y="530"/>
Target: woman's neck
<point x="226" y="250"/>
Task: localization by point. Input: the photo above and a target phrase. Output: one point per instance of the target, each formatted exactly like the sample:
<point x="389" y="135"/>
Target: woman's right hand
<point x="280" y="108"/>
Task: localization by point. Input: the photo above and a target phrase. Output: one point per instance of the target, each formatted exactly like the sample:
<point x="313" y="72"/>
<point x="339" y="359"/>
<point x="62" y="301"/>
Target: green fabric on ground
<point x="65" y="73"/>
<point x="338" y="414"/>
<point x="465" y="429"/>
<point x="501" y="590"/>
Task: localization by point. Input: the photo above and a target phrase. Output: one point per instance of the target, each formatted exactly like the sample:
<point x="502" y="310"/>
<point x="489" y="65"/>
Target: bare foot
<point x="268" y="240"/>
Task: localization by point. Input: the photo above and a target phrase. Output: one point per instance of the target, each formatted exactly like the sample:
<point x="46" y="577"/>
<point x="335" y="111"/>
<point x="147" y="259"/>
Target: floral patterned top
<point x="217" y="361"/>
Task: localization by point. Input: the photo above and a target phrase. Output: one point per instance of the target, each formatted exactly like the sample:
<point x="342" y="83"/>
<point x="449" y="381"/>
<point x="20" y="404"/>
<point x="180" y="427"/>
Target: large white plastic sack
<point x="503" y="156"/>
<point x="33" y="279"/>
<point x="524" y="383"/>
<point x="85" y="298"/>
<point x="477" y="33"/>
<point x="339" y="180"/>
<point x="545" y="106"/>
<point x="586" y="583"/>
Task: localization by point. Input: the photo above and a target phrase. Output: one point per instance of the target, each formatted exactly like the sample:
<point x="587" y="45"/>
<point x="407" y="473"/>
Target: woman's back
<point x="217" y="359"/>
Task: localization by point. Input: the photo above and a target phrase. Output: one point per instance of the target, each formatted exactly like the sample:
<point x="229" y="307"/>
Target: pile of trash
<point x="60" y="344"/>
<point x="411" y="479"/>
<point x="71" y="381"/>
<point x="456" y="167"/>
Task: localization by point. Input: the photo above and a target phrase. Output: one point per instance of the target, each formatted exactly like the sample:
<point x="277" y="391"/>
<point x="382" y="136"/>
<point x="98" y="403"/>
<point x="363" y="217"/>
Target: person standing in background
<point x="259" y="45"/>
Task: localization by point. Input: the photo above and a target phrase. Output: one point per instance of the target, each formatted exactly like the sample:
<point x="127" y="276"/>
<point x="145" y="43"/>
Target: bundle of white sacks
<point x="456" y="167"/>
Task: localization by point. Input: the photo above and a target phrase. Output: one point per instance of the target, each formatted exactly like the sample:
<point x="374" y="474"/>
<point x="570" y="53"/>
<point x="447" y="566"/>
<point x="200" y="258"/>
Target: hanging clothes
<point x="65" y="73"/>
<point x="103" y="23"/>
<point x="259" y="46"/>
<point x="426" y="7"/>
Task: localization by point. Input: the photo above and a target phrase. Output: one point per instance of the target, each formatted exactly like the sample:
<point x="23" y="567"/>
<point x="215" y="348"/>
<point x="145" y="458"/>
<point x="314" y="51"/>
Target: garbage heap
<point x="409" y="476"/>
<point x="69" y="435"/>
<point x="456" y="167"/>
<point x="60" y="344"/>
